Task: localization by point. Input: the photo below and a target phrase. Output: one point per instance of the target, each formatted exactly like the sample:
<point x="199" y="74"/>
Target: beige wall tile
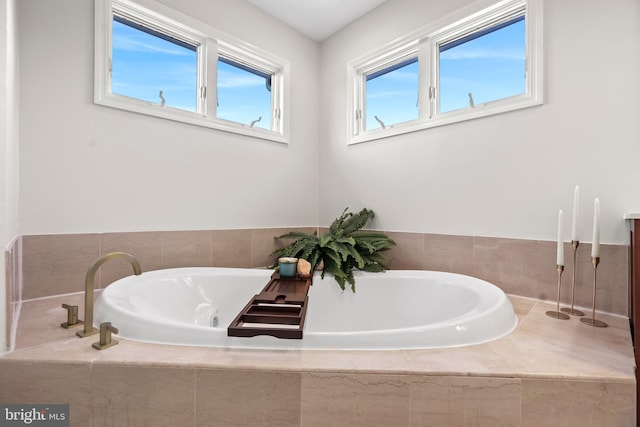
<point x="139" y="396"/>
<point x="57" y="264"/>
<point x="448" y="253"/>
<point x="13" y="270"/>
<point x="263" y="244"/>
<point x="154" y="250"/>
<point x="354" y="400"/>
<point x="527" y="268"/>
<point x="246" y="398"/>
<point x="581" y="403"/>
<point x="146" y="247"/>
<point x="408" y="252"/>
<point x="521" y="267"/>
<point x="22" y="382"/>
<point x="613" y="278"/>
<point x="465" y="402"/>
<point x="13" y="284"/>
<point x="231" y="248"/>
<point x="186" y="249"/>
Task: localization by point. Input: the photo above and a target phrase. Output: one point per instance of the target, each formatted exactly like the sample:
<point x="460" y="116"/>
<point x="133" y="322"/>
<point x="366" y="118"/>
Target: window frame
<point x="210" y="43"/>
<point x="156" y="26"/>
<point x="257" y="63"/>
<point x="395" y="56"/>
<point x="425" y="42"/>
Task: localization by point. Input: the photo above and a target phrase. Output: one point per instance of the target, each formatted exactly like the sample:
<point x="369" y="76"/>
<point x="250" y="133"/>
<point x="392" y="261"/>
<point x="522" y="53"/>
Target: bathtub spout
<point x="89" y="288"/>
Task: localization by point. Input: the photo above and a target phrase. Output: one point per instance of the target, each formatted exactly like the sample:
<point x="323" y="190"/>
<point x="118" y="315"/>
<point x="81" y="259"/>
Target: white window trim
<point x="210" y="42"/>
<point x="425" y="42"/>
<point x="397" y="54"/>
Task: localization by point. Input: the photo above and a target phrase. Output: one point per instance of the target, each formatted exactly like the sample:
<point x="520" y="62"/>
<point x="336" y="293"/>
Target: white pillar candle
<point x="595" y="245"/>
<point x="576" y="203"/>
<point x="560" y="251"/>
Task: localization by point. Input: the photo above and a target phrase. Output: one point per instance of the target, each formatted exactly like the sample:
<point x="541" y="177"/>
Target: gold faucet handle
<point x="105" y="336"/>
<point x="72" y="316"/>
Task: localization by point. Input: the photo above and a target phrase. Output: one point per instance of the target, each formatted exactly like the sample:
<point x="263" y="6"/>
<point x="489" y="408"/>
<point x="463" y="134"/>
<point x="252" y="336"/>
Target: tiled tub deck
<point x="547" y="372"/>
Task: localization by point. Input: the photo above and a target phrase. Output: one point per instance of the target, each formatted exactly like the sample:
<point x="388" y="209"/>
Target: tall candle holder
<point x="593" y="321"/>
<point x="572" y="311"/>
<point x="557" y="314"/>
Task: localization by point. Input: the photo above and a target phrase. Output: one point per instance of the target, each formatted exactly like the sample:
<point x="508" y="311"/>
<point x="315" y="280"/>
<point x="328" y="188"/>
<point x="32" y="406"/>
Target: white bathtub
<point x="393" y="310"/>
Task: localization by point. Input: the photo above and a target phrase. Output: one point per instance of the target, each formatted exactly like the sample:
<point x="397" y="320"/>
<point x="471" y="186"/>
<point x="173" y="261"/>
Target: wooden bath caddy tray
<point x="279" y="310"/>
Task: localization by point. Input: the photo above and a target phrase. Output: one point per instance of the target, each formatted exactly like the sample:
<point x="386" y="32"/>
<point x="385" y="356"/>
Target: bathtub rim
<point x="263" y="342"/>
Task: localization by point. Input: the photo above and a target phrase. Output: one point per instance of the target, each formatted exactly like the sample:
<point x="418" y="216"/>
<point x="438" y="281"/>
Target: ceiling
<point x="317" y="19"/>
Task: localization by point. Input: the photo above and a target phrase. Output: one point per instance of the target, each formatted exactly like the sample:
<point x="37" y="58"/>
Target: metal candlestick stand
<point x="572" y="311"/>
<point x="557" y="314"/>
<point x="593" y="321"/>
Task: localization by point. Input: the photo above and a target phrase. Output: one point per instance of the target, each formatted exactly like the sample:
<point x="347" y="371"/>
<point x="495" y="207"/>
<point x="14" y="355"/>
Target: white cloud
<point x="400" y="76"/>
<point x="384" y="94"/>
<point x="235" y="80"/>
<point x="132" y="45"/>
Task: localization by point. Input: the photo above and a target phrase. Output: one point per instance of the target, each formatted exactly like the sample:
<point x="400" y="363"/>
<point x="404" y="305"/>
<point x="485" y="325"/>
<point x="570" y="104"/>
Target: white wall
<point x="503" y="176"/>
<point x="4" y="105"/>
<point x="8" y="146"/>
<point x="87" y="168"/>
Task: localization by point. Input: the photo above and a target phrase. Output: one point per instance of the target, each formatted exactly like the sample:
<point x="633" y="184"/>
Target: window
<point x="152" y="66"/>
<point x="244" y="93"/>
<point x="482" y="67"/>
<point x="392" y="94"/>
<point x="155" y="61"/>
<point x="477" y="62"/>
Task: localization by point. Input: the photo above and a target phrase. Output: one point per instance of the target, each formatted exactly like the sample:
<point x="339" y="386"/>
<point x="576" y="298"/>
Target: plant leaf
<point x="342" y="249"/>
<point x="325" y="239"/>
<point x="357" y="221"/>
<point x="333" y="255"/>
<point x="296" y="235"/>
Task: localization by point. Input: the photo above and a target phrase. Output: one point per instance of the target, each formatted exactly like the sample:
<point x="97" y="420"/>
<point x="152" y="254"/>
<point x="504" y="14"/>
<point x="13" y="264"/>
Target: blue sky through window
<point x="144" y="64"/>
<point x="243" y="96"/>
<point x="489" y="67"/>
<point x="392" y="97"/>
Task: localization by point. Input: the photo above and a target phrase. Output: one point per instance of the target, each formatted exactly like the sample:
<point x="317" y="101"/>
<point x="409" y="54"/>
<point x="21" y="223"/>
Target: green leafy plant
<point x="341" y="249"/>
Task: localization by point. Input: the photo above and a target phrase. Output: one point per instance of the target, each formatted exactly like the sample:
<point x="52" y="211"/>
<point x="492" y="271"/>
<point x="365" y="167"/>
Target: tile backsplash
<point x="57" y="264"/>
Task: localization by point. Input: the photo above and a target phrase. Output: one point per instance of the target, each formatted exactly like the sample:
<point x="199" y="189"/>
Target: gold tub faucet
<point x="89" y="288"/>
<point x="106" y="341"/>
<point x="72" y="316"/>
